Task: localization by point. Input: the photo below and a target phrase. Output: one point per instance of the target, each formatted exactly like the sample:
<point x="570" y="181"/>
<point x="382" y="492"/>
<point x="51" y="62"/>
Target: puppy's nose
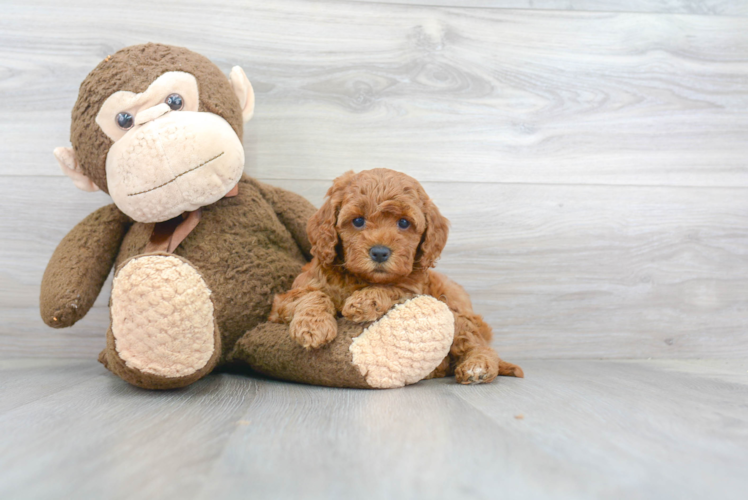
<point x="379" y="253"/>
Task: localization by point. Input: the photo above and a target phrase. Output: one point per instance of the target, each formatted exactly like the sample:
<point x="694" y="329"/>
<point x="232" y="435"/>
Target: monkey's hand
<point x="80" y="265"/>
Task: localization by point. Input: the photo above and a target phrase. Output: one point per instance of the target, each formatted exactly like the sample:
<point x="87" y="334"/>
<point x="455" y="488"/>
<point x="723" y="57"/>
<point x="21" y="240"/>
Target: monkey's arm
<point x="80" y="265"/>
<point x="293" y="211"/>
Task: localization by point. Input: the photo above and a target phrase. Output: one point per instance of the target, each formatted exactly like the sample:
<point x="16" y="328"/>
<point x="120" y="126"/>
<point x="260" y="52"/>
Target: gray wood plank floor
<point x="571" y="429"/>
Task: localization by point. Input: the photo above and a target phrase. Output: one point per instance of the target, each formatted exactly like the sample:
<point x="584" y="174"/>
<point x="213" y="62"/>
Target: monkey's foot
<point x="163" y="333"/>
<point x="403" y="347"/>
<point x="406" y="344"/>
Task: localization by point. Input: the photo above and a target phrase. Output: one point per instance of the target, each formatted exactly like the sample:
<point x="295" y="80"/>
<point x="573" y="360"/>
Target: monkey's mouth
<point x="178" y="176"/>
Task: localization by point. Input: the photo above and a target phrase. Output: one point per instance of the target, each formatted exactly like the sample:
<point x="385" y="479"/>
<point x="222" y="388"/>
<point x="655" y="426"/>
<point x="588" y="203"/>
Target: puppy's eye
<point x="124" y="120"/>
<point x="403" y="223"/>
<point x="359" y="222"/>
<point x="175" y="102"/>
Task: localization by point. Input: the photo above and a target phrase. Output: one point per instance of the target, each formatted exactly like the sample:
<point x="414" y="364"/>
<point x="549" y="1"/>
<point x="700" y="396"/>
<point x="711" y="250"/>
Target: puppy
<point x="374" y="241"/>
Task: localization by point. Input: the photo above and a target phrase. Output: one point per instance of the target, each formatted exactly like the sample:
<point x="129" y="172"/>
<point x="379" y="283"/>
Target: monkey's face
<point x="159" y="128"/>
<point x="167" y="157"/>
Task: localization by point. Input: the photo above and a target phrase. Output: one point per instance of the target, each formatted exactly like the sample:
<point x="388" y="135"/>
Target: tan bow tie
<point x="167" y="235"/>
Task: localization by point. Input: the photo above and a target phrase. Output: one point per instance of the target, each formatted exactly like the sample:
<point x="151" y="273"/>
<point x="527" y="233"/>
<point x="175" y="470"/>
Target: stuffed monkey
<point x="199" y="248"/>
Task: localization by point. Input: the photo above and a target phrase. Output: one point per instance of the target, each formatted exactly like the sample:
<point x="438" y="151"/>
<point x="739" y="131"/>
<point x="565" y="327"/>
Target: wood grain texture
<point x="444" y="94"/>
<point x="666" y="429"/>
<point x="101" y="438"/>
<point x="699" y="7"/>
<point x="593" y="164"/>
<point x="25" y="381"/>
<point x="558" y="271"/>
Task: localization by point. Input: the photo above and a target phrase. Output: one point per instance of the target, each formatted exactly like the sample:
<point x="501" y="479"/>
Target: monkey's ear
<point x="69" y="165"/>
<point x="243" y="90"/>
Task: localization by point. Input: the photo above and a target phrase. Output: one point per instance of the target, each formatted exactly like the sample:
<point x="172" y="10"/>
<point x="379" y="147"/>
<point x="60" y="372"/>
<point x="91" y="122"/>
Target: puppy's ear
<point x="323" y="235"/>
<point x="434" y="238"/>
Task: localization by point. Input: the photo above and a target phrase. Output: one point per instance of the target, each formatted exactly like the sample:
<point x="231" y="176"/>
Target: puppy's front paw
<point x="274" y="317"/>
<point x="362" y="309"/>
<point x="313" y="331"/>
<point x="477" y="369"/>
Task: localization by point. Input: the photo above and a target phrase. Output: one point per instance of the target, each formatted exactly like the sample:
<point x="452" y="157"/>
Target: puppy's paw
<point x="477" y="369"/>
<point x="440" y="371"/>
<point x="274" y="317"/>
<point x="313" y="331"/>
<point x="361" y="308"/>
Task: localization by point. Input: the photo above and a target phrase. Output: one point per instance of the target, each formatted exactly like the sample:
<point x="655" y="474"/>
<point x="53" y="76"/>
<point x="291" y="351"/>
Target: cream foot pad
<point x="162" y="316"/>
<point x="406" y="344"/>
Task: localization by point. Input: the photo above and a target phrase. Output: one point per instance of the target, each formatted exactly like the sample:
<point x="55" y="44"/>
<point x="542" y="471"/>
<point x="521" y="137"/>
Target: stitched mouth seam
<point x="180" y="175"/>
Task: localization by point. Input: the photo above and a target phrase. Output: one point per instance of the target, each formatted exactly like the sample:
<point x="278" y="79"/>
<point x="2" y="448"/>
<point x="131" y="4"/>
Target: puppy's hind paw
<point x="311" y="331"/>
<point x="477" y="369"/>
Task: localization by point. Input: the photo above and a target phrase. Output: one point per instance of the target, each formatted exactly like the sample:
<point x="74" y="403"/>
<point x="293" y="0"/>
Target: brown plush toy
<point x="198" y="247"/>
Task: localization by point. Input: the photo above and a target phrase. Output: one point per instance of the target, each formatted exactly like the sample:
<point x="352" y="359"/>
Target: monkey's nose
<point x="151" y="113"/>
<point x="379" y="253"/>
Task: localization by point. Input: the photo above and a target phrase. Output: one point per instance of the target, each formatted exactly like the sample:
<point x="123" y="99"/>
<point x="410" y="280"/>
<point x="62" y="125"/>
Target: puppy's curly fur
<point x="374" y="241"/>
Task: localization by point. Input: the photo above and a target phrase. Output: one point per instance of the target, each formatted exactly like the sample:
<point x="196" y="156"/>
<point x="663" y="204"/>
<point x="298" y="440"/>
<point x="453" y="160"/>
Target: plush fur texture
<point x="363" y="212"/>
<point x="163" y="326"/>
<point x="80" y="265"/>
<point x="241" y="247"/>
<point x="400" y="349"/>
<point x="270" y="350"/>
<point x="243" y="251"/>
<point x="134" y="69"/>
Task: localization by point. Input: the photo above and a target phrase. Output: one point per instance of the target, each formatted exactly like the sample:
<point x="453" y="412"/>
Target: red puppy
<point x="373" y="241"/>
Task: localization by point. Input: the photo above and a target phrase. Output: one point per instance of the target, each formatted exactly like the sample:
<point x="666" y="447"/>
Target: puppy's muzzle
<point x="379" y="253"/>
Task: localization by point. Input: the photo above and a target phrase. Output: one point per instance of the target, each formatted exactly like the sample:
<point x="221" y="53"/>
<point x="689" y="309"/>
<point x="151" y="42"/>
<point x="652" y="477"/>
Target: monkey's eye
<point x="124" y="120"/>
<point x="403" y="223"/>
<point x="359" y="222"/>
<point x="175" y="102"/>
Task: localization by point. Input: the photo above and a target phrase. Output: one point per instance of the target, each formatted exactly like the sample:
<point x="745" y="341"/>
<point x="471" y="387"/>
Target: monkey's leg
<point x="163" y="332"/>
<point x="401" y="348"/>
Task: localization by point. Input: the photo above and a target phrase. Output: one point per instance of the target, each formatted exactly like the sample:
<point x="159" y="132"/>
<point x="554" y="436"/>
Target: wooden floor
<point x="571" y="429"/>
